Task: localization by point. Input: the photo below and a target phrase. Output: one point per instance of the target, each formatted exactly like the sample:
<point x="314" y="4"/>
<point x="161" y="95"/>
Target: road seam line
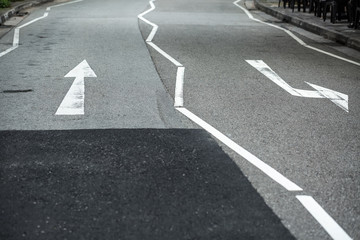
<point x="179" y="105"/>
<point x="269" y="171"/>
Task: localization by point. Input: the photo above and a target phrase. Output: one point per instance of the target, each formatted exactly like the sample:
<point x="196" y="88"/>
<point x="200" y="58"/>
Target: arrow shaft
<point x="269" y="73"/>
<point x="73" y="102"/>
<point x="338" y="98"/>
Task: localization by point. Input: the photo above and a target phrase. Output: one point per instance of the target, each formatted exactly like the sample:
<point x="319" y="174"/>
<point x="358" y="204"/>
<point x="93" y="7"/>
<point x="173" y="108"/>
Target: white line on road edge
<point x="179" y="99"/>
<point x="63" y="4"/>
<point x="179" y="88"/>
<point x="325" y="220"/>
<point x="155" y="27"/>
<point x="17" y="30"/>
<point x="179" y="103"/>
<point x="301" y="42"/>
<point x="167" y="56"/>
<point x="272" y="173"/>
<point x="152" y="35"/>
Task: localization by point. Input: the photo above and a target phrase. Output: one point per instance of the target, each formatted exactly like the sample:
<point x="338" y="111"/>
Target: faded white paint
<point x="179" y="99"/>
<point x="179" y="91"/>
<point x="301" y="42"/>
<point x="16" y="38"/>
<point x="272" y="173"/>
<point x="74" y="101"/>
<point x="338" y="98"/>
<point x="179" y="102"/>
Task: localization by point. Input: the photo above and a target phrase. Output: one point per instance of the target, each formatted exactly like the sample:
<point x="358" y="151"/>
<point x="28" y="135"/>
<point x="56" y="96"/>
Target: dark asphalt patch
<point x="18" y="91"/>
<point x="126" y="184"/>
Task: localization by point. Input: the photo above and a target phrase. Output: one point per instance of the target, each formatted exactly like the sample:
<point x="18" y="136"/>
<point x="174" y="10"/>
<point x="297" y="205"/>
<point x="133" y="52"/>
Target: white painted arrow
<point x="73" y="102"/>
<point x="338" y="98"/>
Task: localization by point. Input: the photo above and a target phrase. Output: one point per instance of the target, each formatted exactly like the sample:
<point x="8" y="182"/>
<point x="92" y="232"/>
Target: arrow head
<point x="83" y="69"/>
<point x="338" y="98"/>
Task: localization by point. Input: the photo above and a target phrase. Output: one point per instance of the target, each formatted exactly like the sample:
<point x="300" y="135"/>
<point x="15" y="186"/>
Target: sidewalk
<point x="338" y="32"/>
<point x="16" y="7"/>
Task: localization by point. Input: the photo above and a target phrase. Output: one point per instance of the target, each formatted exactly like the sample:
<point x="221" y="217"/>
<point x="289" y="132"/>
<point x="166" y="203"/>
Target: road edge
<point x="327" y="33"/>
<point x="5" y="16"/>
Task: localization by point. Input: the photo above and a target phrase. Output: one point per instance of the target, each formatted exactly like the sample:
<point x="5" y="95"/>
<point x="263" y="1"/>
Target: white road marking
<point x="35" y="20"/>
<point x="167" y="56"/>
<point x="338" y="98"/>
<point x="8" y="51"/>
<point x="293" y="35"/>
<point x="271" y="172"/>
<point x="179" y="91"/>
<point x="63" y="4"/>
<point x="325" y="220"/>
<point x="180" y="72"/>
<point x="155" y="27"/>
<point x="73" y="102"/>
<point x="179" y="101"/>
<point x="16" y="39"/>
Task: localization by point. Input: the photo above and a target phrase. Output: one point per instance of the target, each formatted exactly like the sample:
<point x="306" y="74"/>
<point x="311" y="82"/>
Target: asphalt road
<point x="127" y="184"/>
<point x="127" y="91"/>
<point x="313" y="142"/>
<point x="131" y="166"/>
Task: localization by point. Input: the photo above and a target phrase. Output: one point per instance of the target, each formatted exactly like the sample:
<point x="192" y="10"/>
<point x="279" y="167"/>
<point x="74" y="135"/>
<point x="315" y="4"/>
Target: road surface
<point x="93" y="147"/>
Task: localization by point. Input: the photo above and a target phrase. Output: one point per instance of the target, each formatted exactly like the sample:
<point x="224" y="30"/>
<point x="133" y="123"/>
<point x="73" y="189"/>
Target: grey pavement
<point x="127" y="92"/>
<point x="119" y="170"/>
<point x="338" y="32"/>
<point x="126" y="184"/>
<point x="116" y="172"/>
<point x="305" y="139"/>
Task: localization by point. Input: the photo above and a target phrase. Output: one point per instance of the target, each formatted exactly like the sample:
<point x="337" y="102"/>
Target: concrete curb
<point x="327" y="33"/>
<point x="4" y="17"/>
